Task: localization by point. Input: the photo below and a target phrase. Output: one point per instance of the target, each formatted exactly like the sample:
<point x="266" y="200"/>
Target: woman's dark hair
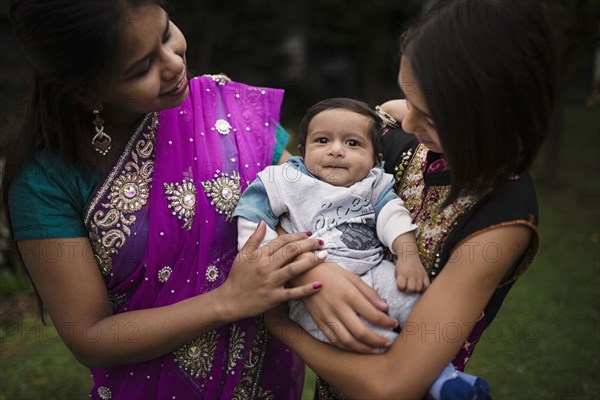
<point x="487" y="72"/>
<point x="356" y="106"/>
<point x="72" y="46"/>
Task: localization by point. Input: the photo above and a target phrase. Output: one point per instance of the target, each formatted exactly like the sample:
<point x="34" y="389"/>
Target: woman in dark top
<point x="478" y="79"/>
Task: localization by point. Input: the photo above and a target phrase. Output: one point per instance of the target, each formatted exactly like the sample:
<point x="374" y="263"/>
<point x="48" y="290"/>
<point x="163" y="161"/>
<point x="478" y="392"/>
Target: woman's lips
<point x="179" y="89"/>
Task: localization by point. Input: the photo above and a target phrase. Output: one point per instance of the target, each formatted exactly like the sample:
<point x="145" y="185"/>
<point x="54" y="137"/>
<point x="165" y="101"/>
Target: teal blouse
<point x="48" y="198"/>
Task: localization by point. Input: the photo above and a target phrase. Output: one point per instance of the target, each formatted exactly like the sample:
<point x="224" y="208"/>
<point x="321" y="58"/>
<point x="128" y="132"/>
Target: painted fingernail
<point x="308" y="233"/>
<point x="316" y="285"/>
<point x="322" y="254"/>
<point x="321" y="243"/>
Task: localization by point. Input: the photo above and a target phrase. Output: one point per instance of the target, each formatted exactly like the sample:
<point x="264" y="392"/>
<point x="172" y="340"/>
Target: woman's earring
<point x="101" y="140"/>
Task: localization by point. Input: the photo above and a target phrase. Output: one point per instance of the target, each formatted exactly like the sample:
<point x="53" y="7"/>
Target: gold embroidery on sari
<point x="183" y="201"/>
<point x="236" y="345"/>
<point x="225" y="191"/>
<point x="129" y="187"/>
<point x="248" y="386"/>
<point x="196" y="358"/>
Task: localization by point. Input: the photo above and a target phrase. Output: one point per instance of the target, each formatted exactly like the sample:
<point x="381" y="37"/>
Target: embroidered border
<point x="128" y="185"/>
<point x="424" y="204"/>
<point x="248" y="386"/>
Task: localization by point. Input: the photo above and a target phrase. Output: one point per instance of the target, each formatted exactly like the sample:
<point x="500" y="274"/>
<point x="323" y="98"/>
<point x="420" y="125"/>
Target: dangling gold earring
<point x="101" y="140"/>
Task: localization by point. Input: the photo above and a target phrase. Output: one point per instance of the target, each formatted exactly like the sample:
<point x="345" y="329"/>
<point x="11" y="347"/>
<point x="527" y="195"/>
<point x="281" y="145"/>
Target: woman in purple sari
<point x="130" y="248"/>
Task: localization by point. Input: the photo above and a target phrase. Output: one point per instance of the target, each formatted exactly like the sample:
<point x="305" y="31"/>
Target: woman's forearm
<point x="142" y="335"/>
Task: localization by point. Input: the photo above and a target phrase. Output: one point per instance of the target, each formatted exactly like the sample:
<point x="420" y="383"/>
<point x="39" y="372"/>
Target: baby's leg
<point x="383" y="280"/>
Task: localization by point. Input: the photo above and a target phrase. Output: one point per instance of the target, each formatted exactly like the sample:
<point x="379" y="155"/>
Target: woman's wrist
<point x="389" y="122"/>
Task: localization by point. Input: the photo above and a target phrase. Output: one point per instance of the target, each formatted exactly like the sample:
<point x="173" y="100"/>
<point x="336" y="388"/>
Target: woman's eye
<point x="141" y="73"/>
<point x="167" y="37"/>
<point x="352" y="143"/>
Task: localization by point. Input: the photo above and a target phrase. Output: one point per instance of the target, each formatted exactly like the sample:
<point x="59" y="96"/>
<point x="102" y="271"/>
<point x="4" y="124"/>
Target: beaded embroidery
<point x="129" y="186"/>
<point x="212" y="273"/>
<point x="164" y="274"/>
<point x="104" y="393"/>
<point x="424" y="204"/>
<point x="223" y="127"/>
<point x="183" y="201"/>
<point x="248" y="386"/>
<point x="225" y="192"/>
<point x="236" y="345"/>
<point x="221" y="79"/>
<point x="196" y="358"/>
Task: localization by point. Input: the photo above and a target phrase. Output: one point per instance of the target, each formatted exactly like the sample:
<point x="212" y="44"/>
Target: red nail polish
<point x="321" y="243"/>
<point x="308" y="233"/>
<point x="317" y="286"/>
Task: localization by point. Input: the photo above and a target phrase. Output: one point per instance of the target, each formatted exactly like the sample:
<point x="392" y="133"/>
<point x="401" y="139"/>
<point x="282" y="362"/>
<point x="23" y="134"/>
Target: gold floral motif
<point x="225" y="192"/>
<point x="236" y="345"/>
<point x="129" y="192"/>
<point x="196" y="358"/>
<point x="183" y="201"/>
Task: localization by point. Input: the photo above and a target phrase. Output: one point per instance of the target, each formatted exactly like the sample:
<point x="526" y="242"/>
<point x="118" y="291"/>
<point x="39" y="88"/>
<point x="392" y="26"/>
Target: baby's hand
<point x="411" y="276"/>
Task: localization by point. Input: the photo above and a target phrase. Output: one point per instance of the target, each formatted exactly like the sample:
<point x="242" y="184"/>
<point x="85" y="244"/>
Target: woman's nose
<point x="410" y="123"/>
<point x="173" y="65"/>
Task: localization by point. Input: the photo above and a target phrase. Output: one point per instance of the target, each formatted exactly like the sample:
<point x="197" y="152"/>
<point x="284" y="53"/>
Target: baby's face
<point x="338" y="147"/>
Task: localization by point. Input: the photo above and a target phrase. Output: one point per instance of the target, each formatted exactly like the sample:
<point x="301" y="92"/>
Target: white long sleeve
<point x="246" y="228"/>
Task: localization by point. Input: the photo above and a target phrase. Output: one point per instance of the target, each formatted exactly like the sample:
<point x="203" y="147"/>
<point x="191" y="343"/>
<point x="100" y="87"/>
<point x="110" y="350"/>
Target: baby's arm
<point x="255" y="206"/>
<point x="246" y="228"/>
<point x="397" y="232"/>
<point x="411" y="276"/>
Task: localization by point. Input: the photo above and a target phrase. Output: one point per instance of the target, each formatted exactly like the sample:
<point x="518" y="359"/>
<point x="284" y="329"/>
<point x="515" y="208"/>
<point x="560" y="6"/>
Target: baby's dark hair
<point x="344" y="103"/>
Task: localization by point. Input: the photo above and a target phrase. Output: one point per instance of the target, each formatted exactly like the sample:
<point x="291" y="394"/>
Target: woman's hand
<point x="336" y="309"/>
<point x="259" y="273"/>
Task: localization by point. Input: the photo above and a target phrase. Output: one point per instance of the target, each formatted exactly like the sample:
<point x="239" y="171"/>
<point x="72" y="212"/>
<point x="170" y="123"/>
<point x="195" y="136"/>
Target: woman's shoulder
<point x="515" y="202"/>
<point x="49" y="193"/>
<point x="516" y="199"/>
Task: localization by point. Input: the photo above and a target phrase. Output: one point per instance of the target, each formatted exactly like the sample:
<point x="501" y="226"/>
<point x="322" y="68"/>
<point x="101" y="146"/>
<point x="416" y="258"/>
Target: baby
<point x="340" y="193"/>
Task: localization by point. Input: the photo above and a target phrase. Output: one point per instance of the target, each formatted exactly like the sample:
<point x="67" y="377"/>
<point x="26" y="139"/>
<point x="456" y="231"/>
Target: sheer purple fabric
<point x="160" y="229"/>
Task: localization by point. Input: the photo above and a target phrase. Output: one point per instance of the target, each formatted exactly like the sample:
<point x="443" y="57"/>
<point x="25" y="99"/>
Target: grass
<point x="35" y="364"/>
<point x="544" y="343"/>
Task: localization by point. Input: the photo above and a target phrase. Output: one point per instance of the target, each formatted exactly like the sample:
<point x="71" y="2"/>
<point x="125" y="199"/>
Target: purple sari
<point x="161" y="232"/>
